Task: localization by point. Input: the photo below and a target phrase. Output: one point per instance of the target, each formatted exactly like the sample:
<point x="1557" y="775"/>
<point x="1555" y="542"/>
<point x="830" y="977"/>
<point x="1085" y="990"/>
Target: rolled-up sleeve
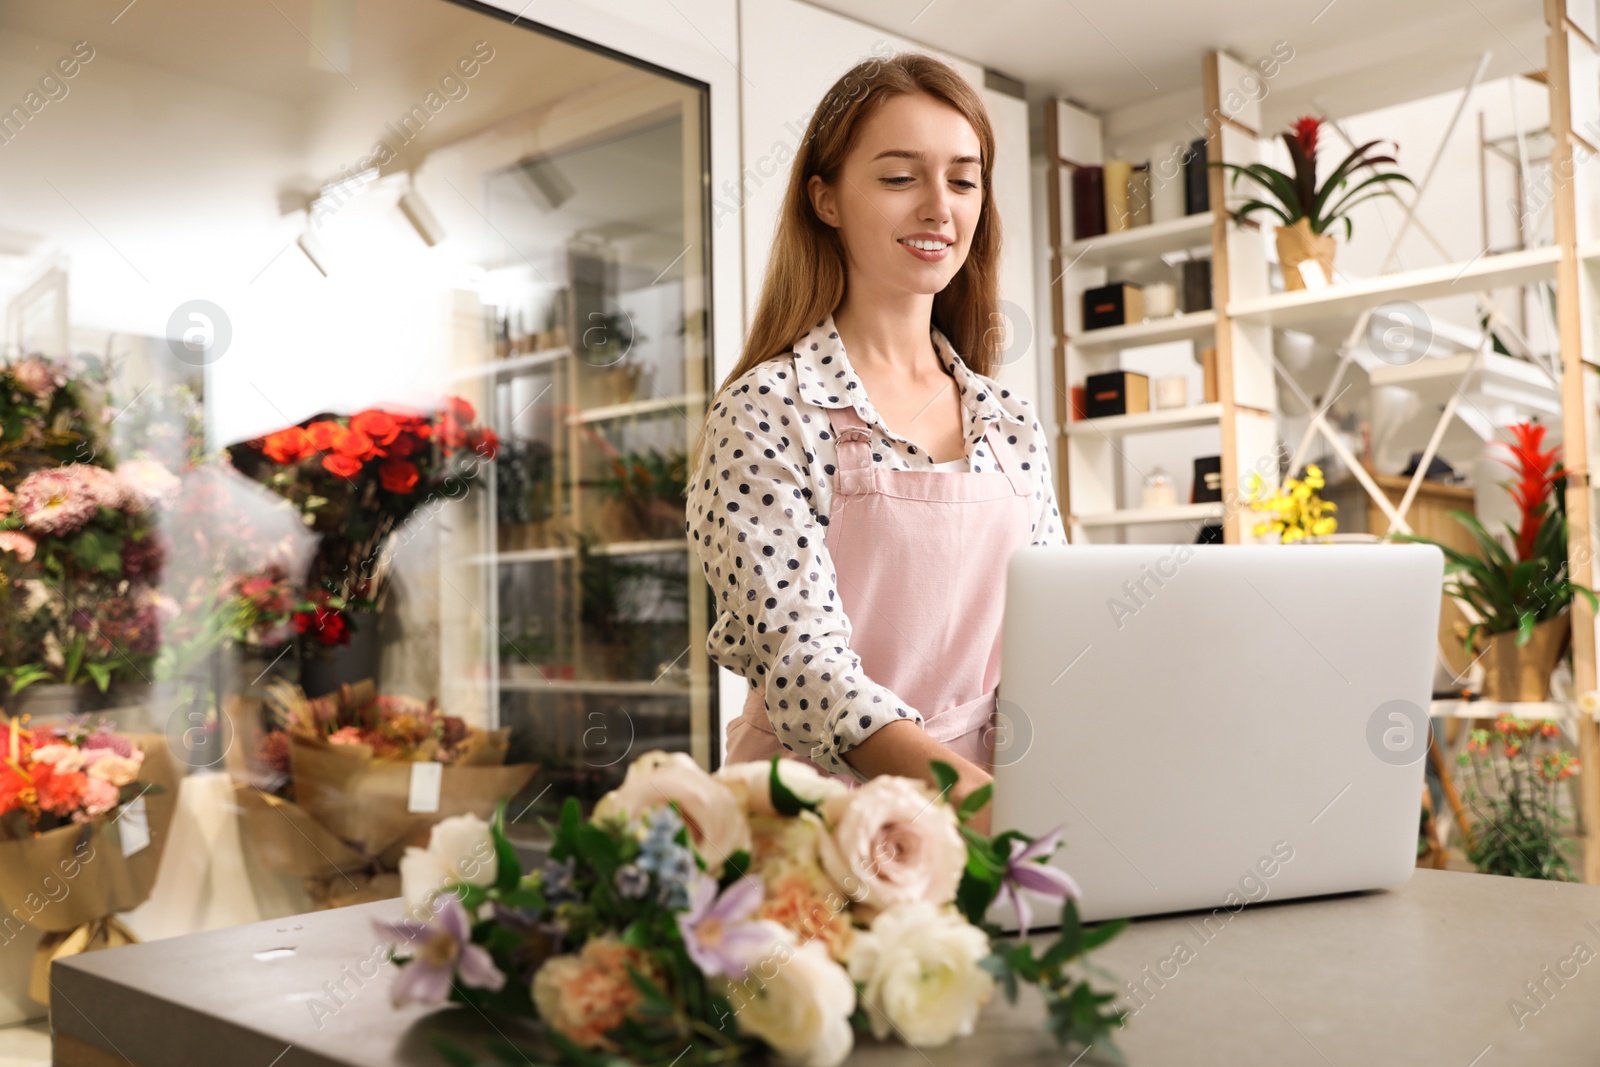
<point x="765" y="556"/>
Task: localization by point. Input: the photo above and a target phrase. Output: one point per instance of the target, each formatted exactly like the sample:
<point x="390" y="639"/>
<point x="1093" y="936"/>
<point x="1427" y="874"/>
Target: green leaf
<point x="508" y="869"/>
<point x="945" y="776"/>
<point x="974" y="895"/>
<point x="101" y="673"/>
<point x="975" y="800"/>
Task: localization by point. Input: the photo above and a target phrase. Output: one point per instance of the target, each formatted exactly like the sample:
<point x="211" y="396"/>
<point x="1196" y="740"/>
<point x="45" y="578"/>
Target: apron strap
<point x="853" y="469"/>
<point x="999" y="447"/>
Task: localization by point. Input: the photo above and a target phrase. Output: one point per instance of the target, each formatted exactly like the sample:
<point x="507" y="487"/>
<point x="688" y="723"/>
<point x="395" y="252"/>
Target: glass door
<point x="592" y="367"/>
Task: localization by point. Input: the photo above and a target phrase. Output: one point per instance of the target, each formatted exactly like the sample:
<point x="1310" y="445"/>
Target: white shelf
<point x="635" y="688"/>
<point x="506" y="368"/>
<point x="1187" y="327"/>
<point x="640" y="548"/>
<point x="1146" y="516"/>
<point x="521" y="555"/>
<point x="684" y="404"/>
<point x="1141" y="242"/>
<point x="1497" y="377"/>
<point x="1146" y="421"/>
<point x="1348" y="299"/>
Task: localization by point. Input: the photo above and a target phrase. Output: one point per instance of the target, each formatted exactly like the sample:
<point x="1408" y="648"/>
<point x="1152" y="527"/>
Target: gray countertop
<point x="1426" y="974"/>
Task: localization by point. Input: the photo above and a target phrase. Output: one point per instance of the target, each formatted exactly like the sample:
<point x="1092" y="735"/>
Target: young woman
<point x="855" y="512"/>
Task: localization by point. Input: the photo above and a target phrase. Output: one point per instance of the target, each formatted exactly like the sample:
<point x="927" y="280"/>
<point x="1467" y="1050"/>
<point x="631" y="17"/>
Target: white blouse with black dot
<point x="758" y="510"/>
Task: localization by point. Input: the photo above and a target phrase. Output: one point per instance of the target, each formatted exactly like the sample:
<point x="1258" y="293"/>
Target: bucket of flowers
<point x="84" y="813"/>
<point x="761" y="911"/>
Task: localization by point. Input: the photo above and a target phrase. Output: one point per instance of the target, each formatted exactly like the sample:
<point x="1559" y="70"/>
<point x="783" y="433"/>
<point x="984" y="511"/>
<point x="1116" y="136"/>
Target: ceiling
<point x="1132" y="62"/>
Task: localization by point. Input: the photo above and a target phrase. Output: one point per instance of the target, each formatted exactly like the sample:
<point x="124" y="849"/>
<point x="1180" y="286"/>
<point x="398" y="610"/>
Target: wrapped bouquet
<point x="700" y="919"/>
<point x="351" y="779"/>
<point x="83" y="817"/>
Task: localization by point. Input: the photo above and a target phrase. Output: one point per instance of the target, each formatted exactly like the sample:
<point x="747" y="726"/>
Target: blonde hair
<point x="805" y="278"/>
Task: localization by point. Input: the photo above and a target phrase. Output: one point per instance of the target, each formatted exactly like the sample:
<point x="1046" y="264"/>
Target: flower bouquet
<point x="81" y="558"/>
<point x="358" y="478"/>
<point x="1297" y="510"/>
<point x="83" y="819"/>
<point x="347" y="781"/>
<point x="701" y="919"/>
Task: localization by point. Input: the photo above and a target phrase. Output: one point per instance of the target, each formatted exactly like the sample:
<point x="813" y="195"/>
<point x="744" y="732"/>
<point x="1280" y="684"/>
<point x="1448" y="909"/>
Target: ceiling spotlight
<point x="548" y="186"/>
<point x="421" y="217"/>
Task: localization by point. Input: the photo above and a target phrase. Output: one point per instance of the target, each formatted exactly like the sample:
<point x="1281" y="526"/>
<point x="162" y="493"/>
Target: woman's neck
<point x="879" y="331"/>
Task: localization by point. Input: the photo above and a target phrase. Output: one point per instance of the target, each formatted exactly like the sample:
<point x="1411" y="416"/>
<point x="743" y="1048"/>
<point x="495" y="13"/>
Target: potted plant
<point x="1520" y="593"/>
<point x="1513" y="793"/>
<point x="525" y="482"/>
<point x="1306" y="210"/>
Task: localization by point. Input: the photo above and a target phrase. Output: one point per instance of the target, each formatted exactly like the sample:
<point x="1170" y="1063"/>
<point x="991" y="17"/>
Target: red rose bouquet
<point x="356" y="479"/>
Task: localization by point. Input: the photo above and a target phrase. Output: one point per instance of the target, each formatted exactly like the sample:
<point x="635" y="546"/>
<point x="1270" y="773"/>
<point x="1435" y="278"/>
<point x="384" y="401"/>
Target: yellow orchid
<point x="1296" y="511"/>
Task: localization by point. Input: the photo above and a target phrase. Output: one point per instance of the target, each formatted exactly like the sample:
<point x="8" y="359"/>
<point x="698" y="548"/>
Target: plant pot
<point x="50" y="702"/>
<point x="358" y="660"/>
<point x="1296" y="245"/>
<point x="1523" y="674"/>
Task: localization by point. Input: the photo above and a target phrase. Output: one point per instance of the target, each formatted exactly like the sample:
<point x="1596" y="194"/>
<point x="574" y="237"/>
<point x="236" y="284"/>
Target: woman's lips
<point x="925" y="254"/>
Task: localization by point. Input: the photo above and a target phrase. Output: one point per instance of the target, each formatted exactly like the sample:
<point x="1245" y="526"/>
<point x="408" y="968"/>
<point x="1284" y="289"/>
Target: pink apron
<point x="921" y="560"/>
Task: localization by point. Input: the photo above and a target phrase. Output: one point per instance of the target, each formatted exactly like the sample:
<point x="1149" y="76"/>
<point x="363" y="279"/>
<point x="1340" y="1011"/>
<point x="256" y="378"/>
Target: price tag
<point x="133" y="826"/>
<point x="426" y="779"/>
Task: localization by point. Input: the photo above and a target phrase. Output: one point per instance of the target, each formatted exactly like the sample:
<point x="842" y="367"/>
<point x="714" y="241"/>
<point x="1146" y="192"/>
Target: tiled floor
<point x="25" y="1046"/>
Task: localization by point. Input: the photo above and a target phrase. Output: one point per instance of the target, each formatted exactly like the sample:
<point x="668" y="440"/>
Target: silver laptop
<point x="1217" y="725"/>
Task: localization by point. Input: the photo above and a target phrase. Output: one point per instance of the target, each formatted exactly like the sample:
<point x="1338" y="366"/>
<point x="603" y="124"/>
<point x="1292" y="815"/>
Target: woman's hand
<point x="902" y="747"/>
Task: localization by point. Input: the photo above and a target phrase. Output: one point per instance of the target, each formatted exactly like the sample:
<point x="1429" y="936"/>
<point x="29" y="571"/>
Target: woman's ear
<point x="823" y="201"/>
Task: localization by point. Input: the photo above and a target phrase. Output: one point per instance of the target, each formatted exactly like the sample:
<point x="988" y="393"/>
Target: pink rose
<point x="35" y="375"/>
<point x="710" y="808"/>
<point x="18" y="543"/>
<point x="99" y="796"/>
<point x="67" y="759"/>
<point x="893" y="842"/>
<point x="6" y="496"/>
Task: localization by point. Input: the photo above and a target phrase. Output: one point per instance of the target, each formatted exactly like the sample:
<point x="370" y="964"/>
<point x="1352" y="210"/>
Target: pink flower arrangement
<point x="65" y="774"/>
<point x="145" y="484"/>
<point x="36" y="376"/>
<point x="61" y="500"/>
<point x="18" y="544"/>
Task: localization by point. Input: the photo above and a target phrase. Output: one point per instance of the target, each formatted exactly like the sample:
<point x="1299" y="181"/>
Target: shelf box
<point x="1348" y="299"/>
<point x="1141" y="242"/>
<point x="1146" y="421"/>
<point x="1149" y="516"/>
<point x="1188" y="327"/>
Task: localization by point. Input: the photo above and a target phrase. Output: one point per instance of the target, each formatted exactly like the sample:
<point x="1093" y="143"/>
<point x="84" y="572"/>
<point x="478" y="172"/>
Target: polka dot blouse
<point x="758" y="514"/>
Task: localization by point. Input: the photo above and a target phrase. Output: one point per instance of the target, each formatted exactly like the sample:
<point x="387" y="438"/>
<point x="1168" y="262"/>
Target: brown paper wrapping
<point x="95" y="880"/>
<point x="362" y="800"/>
<point x="70" y="881"/>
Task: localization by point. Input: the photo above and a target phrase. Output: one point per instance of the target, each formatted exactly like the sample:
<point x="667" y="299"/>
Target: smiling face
<point x="908" y="197"/>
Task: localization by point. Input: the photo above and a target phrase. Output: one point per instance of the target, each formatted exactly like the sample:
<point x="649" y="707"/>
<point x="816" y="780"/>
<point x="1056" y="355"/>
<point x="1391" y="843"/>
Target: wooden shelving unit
<point x="1246" y="311"/>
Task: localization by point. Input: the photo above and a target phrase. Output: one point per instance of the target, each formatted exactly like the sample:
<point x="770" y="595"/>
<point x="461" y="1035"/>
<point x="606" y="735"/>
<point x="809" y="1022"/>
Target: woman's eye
<point x="902" y="178"/>
<point x="966" y="184"/>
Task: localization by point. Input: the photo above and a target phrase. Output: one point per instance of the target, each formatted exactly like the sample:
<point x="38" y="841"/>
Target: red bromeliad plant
<point x="1297" y="196"/>
<point x="1515" y="593"/>
<point x="356" y="479"/>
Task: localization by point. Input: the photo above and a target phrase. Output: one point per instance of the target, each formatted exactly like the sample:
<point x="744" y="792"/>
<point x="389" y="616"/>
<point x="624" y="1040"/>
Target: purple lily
<point x="1024" y="872"/>
<point x="716" y="931"/>
<point x="441" y="950"/>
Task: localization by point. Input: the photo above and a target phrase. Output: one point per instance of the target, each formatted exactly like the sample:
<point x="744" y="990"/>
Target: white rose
<point x="918" y="968"/>
<point x="752" y="782"/>
<point x="799" y="1001"/>
<point x="893" y="842"/>
<point x="460" y="851"/>
<point x="66" y="758"/>
<point x="715" y="818"/>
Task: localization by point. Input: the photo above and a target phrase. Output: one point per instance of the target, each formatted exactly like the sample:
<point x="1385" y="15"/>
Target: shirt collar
<point x="824" y="377"/>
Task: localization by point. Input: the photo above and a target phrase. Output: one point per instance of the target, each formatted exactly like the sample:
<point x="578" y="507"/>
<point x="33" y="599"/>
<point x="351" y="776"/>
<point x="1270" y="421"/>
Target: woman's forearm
<point x="904" y="748"/>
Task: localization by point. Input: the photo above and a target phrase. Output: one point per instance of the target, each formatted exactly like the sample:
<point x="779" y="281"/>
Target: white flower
<point x="918" y="969"/>
<point x="751" y="781"/>
<point x="66" y="758"/>
<point x="460" y="851"/>
<point x="1589" y="702"/>
<point x="716" y="821"/>
<point x="893" y="842"/>
<point x="799" y="1001"/>
<point x="147" y="484"/>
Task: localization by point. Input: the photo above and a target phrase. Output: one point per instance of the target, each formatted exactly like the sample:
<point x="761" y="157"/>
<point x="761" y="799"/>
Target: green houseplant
<point x="1520" y="593"/>
<point x="1307" y="210"/>
<point x="1513" y="792"/>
